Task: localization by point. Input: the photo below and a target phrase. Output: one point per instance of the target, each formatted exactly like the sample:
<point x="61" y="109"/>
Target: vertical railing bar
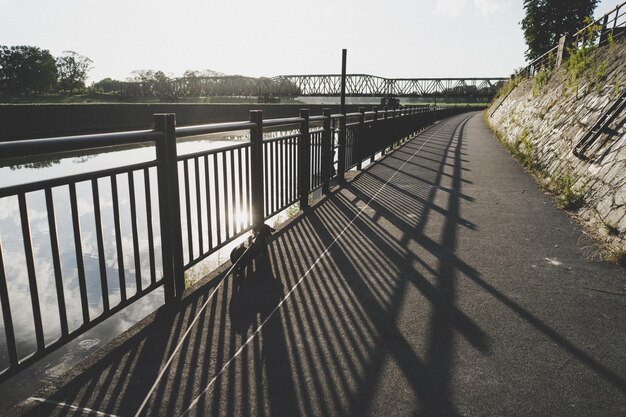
<point x="208" y="202"/>
<point x="56" y="261"/>
<point x="296" y="166"/>
<point x="289" y="168"/>
<point x="234" y="190"/>
<point x="275" y="180"/>
<point x="218" y="208"/>
<point x="231" y="190"/>
<point x="198" y="207"/>
<point x="288" y="176"/>
<point x="104" y="285"/>
<point x="318" y="164"/>
<point x="118" y="237"/>
<point x="267" y="181"/>
<point x="30" y="266"/>
<point x="188" y="209"/>
<point x="148" y="194"/>
<point x="241" y="206"/>
<point x="80" y="264"/>
<point x="225" y="196"/>
<point x="248" y="191"/>
<point x="7" y="318"/>
<point x="281" y="158"/>
<point x="133" y="223"/>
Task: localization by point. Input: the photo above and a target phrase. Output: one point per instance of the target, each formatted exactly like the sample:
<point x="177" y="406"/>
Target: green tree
<point x="73" y="69"/>
<point x="26" y="69"/>
<point x="547" y="20"/>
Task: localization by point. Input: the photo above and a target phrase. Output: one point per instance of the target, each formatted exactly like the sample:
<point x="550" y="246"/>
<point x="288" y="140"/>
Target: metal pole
<point x="256" y="167"/>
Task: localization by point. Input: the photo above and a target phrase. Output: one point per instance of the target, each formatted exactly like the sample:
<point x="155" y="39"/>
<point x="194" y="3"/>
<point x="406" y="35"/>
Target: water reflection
<point x="123" y="275"/>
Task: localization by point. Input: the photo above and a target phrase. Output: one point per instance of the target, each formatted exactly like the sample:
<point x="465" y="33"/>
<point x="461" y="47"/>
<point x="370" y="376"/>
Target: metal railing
<point x="600" y="32"/>
<point x="146" y="223"/>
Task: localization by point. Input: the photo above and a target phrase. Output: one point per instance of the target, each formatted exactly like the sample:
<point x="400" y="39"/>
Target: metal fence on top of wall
<point x="600" y="32"/>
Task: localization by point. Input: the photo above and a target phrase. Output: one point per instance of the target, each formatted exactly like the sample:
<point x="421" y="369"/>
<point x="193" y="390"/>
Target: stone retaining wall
<point x="542" y="122"/>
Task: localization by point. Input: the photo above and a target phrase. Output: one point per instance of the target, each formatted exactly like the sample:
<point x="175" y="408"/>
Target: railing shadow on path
<point x="355" y="262"/>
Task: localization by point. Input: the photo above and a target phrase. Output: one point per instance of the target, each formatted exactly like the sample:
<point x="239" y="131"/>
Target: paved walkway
<point x="439" y="282"/>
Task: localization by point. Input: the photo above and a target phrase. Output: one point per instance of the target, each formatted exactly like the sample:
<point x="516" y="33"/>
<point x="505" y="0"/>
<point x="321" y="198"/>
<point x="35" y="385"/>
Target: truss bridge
<point x="363" y="85"/>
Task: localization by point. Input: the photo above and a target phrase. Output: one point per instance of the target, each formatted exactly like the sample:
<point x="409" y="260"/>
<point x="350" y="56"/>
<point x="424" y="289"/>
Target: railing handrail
<point x="209" y="128"/>
<point x="45" y="146"/>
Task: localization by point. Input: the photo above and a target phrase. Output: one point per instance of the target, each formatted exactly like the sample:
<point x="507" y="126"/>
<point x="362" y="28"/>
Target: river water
<point x="15" y="265"/>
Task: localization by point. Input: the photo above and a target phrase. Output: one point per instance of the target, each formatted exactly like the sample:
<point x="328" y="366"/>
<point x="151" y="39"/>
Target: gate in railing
<point x="222" y="194"/>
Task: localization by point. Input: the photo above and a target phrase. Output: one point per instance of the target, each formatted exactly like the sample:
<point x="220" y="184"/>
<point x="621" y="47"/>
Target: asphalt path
<point x="440" y="281"/>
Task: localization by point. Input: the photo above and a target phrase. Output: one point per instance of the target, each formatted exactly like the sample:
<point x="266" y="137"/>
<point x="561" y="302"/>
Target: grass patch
<point x="617" y="256"/>
<point x="568" y="196"/>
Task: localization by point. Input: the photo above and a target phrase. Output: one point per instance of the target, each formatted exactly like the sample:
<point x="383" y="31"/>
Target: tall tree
<point x="73" y="69"/>
<point x="547" y="20"/>
<point x="26" y="69"/>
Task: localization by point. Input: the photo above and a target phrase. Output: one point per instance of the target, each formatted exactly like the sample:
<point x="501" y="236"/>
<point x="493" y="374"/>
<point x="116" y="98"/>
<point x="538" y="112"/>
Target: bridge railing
<point x="600" y="32"/>
<point x="83" y="247"/>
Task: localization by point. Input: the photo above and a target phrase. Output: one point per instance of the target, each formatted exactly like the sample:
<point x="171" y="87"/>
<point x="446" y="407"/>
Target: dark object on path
<point x="243" y="255"/>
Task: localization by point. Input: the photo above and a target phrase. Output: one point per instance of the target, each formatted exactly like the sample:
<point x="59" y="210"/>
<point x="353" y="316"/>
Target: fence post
<point x="304" y="160"/>
<point x="341" y="153"/>
<point x="360" y="140"/>
<point x="169" y="207"/>
<point x="256" y="168"/>
<point x="560" y="51"/>
<point x="327" y="152"/>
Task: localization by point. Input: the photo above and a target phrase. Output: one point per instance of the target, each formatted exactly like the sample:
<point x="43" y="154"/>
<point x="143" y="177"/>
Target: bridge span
<point x="321" y="85"/>
<point x="364" y="85"/>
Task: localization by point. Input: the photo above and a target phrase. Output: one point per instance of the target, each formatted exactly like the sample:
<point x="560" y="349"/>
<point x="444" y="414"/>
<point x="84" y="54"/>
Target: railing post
<point x="375" y="129"/>
<point x="386" y="130"/>
<point x="341" y="154"/>
<point x="560" y="52"/>
<point x="360" y="140"/>
<point x="304" y="160"/>
<point x="256" y="168"/>
<point x="327" y="152"/>
<point x="169" y="207"/>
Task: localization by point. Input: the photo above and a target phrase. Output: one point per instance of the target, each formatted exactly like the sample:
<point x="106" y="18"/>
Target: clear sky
<point x="389" y="38"/>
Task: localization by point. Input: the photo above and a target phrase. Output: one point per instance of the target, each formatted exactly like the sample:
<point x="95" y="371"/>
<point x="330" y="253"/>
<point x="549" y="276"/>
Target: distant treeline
<point x="32" y="70"/>
<point x="147" y="83"/>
